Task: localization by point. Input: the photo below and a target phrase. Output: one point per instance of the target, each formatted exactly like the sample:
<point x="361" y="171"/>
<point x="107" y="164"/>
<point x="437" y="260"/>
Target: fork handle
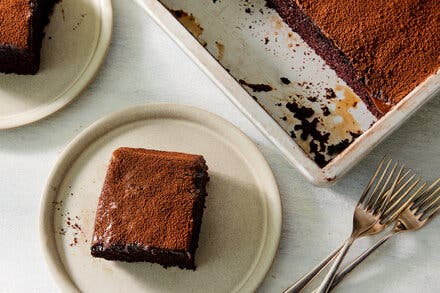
<point x="325" y="285"/>
<point x="341" y="275"/>
<point x="301" y="283"/>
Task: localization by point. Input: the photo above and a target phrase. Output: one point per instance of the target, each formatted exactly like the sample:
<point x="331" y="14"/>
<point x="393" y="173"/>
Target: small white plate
<point x="241" y="224"/>
<point x="74" y="46"/>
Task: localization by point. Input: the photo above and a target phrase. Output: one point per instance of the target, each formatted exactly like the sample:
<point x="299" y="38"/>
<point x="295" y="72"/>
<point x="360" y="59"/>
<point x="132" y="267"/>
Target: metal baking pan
<point x="280" y="84"/>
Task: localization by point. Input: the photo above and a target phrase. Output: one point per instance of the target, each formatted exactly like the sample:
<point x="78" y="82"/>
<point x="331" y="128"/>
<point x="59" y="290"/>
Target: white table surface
<point x="144" y="66"/>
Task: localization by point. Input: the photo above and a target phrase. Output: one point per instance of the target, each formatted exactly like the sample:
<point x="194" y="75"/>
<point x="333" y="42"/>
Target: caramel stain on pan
<point x="220" y="50"/>
<point x="350" y="101"/>
<point x="278" y="22"/>
<point x="190" y="23"/>
<point x="382" y="106"/>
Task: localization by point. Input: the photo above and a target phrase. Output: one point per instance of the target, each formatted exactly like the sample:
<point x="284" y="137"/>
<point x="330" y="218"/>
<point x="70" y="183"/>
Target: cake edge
<point x="299" y="22"/>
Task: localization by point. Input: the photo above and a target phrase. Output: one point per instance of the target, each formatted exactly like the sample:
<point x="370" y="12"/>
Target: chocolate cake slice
<point x="151" y="207"/>
<point x="21" y="32"/>
<point x="382" y="49"/>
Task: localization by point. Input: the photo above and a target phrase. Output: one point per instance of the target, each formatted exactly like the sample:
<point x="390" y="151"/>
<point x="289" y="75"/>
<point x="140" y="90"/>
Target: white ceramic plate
<point x="241" y="225"/>
<point x="74" y="47"/>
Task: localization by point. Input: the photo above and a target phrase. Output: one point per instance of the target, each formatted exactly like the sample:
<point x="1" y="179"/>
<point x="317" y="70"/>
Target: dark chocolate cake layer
<point x="382" y="49"/>
<point x="21" y="32"/>
<point x="151" y="207"/>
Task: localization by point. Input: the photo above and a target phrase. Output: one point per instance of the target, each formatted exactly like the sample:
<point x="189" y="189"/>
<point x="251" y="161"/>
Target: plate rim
<point x="79" y="84"/>
<point x="149" y="111"/>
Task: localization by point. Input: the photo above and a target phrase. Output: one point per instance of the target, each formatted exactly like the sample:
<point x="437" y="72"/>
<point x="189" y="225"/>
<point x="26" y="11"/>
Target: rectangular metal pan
<point x="280" y="84"/>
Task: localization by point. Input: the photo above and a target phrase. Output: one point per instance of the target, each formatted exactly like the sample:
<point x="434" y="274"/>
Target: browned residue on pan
<point x="342" y="107"/>
<point x="382" y="106"/>
<point x="278" y="22"/>
<point x="190" y="23"/>
<point x="220" y="50"/>
<point x="257" y="87"/>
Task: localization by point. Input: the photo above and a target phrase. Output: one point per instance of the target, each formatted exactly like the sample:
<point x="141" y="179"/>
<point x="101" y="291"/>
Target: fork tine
<point x="425" y="196"/>
<point x="400" y="193"/>
<point x="429" y="202"/>
<point x="379" y="181"/>
<point x="401" y="187"/>
<point x="398" y="182"/>
<point x="372" y="196"/>
<point x="370" y="183"/>
<point x="392" y="212"/>
<point x="431" y="214"/>
<point x="378" y="207"/>
<point x="404" y="175"/>
<point x="395" y="193"/>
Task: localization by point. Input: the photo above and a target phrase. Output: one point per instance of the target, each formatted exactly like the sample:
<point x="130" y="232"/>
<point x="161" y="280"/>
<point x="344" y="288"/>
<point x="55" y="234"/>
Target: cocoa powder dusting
<point x="15" y="17"/>
<point x="147" y="199"/>
<point x="394" y="45"/>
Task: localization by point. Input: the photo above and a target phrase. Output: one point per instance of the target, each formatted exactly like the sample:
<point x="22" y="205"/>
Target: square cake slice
<point x="151" y="207"/>
<point x="21" y="32"/>
<point x="382" y="49"/>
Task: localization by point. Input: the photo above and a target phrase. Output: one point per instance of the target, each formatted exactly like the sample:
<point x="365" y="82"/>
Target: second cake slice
<point x="151" y="207"/>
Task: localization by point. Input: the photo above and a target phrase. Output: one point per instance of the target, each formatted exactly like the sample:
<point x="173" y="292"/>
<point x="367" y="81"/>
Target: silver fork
<point x="367" y="213"/>
<point x="423" y="208"/>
